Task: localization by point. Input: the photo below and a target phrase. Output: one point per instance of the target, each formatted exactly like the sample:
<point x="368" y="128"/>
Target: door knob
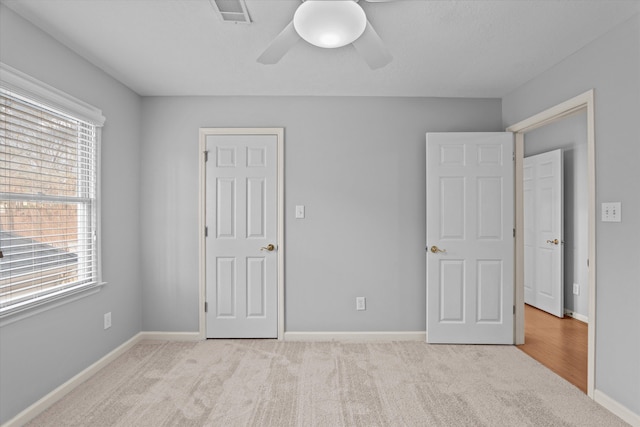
<point x="554" y="241"/>
<point x="269" y="247"/>
<point x="436" y="249"/>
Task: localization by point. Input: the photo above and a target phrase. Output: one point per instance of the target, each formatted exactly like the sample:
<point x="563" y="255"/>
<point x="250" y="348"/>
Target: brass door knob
<point x="269" y="247"/>
<point x="436" y="250"/>
<point x="554" y="241"/>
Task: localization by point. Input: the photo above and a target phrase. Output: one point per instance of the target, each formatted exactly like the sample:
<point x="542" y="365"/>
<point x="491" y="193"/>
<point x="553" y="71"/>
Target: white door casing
<point x="241" y="220"/>
<point x="470" y="217"/>
<point x="543" y="232"/>
<point x="582" y="102"/>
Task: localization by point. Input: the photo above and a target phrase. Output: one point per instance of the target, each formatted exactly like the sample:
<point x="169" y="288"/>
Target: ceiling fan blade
<point x="371" y="47"/>
<point x="280" y="45"/>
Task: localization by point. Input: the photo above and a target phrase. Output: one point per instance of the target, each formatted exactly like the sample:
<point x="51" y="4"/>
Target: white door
<point x="543" y="232"/>
<point x="470" y="242"/>
<point x="241" y="224"/>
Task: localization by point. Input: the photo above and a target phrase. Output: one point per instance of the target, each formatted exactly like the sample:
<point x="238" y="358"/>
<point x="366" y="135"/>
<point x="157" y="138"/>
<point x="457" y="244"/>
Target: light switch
<point x="300" y="212"/>
<point x="612" y="212"/>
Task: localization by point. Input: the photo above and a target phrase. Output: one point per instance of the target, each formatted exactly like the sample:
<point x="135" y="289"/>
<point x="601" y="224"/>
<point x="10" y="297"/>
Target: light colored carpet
<point x="272" y="383"/>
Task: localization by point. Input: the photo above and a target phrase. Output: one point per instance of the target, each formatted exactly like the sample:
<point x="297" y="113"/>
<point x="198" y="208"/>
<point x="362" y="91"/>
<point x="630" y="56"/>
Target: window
<point x="48" y="199"/>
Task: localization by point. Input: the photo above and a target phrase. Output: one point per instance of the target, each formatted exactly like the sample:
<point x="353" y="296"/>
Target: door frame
<point x="580" y="103"/>
<point x="202" y="253"/>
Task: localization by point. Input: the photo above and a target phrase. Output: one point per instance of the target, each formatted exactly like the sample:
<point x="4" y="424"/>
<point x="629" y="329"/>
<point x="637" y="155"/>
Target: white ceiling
<point x="474" y="48"/>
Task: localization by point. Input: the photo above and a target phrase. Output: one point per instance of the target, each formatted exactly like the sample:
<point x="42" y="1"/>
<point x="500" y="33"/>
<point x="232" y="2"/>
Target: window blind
<point x="48" y="203"/>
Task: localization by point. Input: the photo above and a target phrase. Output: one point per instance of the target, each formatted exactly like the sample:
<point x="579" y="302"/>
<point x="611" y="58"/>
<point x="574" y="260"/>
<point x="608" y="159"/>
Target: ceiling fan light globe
<point x="329" y="24"/>
<point x="329" y="39"/>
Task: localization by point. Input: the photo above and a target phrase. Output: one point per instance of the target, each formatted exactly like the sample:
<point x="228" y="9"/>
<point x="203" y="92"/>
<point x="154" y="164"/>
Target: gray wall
<point x="570" y="135"/>
<point x="358" y="166"/>
<point x="610" y="65"/>
<point x="39" y="353"/>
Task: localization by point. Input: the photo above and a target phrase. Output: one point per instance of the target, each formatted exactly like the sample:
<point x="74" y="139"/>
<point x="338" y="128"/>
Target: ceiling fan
<point x="330" y="24"/>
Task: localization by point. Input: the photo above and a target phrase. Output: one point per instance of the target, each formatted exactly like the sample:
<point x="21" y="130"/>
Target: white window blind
<point x="48" y="203"/>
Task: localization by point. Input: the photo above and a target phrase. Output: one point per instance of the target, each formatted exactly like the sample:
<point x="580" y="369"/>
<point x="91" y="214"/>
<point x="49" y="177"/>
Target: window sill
<point x="47" y="304"/>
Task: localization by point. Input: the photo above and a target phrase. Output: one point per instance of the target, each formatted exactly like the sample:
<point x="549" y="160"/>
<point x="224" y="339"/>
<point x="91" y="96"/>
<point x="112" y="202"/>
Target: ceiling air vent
<point x="232" y="11"/>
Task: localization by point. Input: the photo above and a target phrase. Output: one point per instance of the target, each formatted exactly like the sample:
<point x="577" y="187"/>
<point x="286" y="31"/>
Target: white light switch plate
<point x="300" y="211"/>
<point x="612" y="212"/>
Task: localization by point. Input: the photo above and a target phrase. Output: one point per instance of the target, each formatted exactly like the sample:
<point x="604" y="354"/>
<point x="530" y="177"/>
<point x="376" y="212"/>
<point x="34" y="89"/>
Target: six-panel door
<point x="470" y="242"/>
<point x="241" y="220"/>
<point x="543" y="232"/>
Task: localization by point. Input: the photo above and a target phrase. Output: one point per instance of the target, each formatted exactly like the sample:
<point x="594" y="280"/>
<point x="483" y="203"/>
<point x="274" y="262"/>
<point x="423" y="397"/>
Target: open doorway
<point x="581" y="103"/>
<point x="556" y="209"/>
<point x="568" y="137"/>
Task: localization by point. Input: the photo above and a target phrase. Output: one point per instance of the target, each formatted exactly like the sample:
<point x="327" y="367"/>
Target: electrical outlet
<point x="361" y="303"/>
<point x="576" y="289"/>
<point x="107" y="320"/>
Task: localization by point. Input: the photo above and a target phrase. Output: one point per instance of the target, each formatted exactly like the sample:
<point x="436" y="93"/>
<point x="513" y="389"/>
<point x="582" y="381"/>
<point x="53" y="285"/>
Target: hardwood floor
<point x="559" y="344"/>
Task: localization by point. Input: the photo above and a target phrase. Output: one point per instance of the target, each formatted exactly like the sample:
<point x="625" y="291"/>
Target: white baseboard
<point x="170" y="336"/>
<point x="617" y="408"/>
<point x="356" y="336"/>
<point x="38" y="407"/>
<point x="577" y="316"/>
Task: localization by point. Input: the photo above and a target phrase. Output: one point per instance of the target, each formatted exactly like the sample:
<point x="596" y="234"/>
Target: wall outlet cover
<point x="107" y="320"/>
<point x="361" y="303"/>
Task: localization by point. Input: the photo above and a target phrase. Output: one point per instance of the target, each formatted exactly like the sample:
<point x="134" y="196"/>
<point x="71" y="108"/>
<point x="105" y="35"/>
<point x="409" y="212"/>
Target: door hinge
<point x="514" y="232"/>
<point x="206" y="232"/>
<point x="514" y="309"/>
<point x="206" y="306"/>
<point x="206" y="156"/>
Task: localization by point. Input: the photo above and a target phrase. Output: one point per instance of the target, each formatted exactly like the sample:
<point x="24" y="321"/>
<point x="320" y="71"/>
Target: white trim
<point x="170" y="336"/>
<point x="553" y="114"/>
<point x="47" y="302"/>
<point x="577" y="316"/>
<point x="591" y="236"/>
<point x="617" y="408"/>
<point x="21" y="84"/>
<point x="281" y="245"/>
<point x="41" y="405"/>
<point x="356" y="336"/>
<point x="518" y="188"/>
<point x="582" y="102"/>
<point x="98" y="205"/>
<point x="279" y="133"/>
<point x="202" y="242"/>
